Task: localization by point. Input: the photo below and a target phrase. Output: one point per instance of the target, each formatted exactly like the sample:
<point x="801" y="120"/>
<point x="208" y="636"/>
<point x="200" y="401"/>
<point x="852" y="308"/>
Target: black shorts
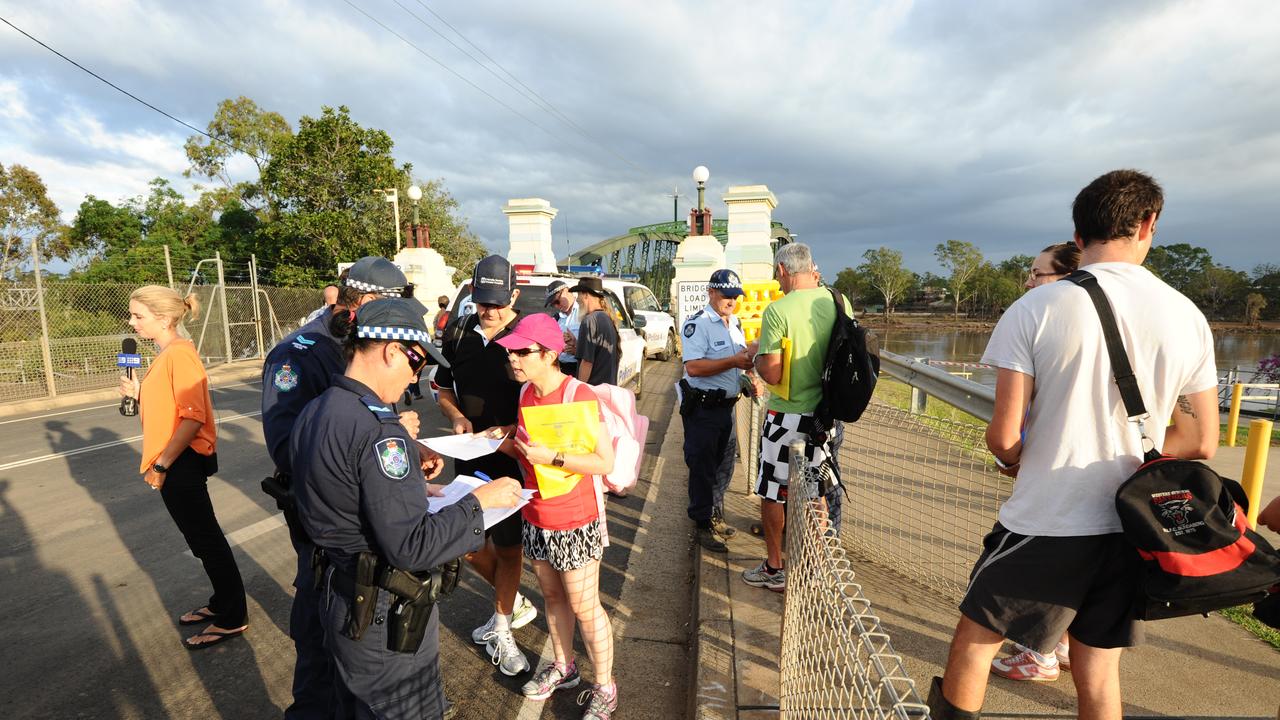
<point x="496" y="465"/>
<point x="1031" y="589"/>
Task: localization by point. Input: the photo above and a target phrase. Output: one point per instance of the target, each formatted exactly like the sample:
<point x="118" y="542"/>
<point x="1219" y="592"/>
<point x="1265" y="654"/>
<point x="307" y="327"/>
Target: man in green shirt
<point x="794" y="334"/>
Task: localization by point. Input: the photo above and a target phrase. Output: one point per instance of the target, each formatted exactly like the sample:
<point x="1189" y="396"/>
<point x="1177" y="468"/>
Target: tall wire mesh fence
<point x="837" y="658"/>
<point x="85" y="322"/>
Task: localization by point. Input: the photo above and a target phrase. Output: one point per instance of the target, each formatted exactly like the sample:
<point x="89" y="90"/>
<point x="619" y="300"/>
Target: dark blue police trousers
<point x="373" y="682"/>
<point x="313" y="670"/>
<point x="710" y="443"/>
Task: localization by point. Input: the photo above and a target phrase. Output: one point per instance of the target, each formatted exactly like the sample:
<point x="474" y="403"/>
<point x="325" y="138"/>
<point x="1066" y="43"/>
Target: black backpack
<point x="850" y="371"/>
<point x="1186" y="523"/>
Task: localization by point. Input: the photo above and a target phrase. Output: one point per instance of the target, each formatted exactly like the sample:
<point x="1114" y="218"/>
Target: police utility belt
<point x="280" y="487"/>
<point x="691" y="398"/>
<point x="413" y="596"/>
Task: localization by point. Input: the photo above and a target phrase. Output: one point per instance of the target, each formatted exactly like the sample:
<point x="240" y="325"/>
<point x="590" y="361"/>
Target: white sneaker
<point x="523" y="613"/>
<point x="505" y="654"/>
<point x="480" y="635"/>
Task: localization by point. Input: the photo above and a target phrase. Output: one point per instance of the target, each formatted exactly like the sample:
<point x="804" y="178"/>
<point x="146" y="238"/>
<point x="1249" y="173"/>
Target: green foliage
<point x="1266" y="282"/>
<point x="240" y="128"/>
<point x="884" y="271"/>
<point x="853" y="285"/>
<point x="1178" y="264"/>
<point x="26" y="215"/>
<point x="963" y="260"/>
<point x="995" y="288"/>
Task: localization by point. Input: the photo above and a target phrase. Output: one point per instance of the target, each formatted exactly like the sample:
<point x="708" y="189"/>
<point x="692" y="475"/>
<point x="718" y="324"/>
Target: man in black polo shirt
<point x="478" y="393"/>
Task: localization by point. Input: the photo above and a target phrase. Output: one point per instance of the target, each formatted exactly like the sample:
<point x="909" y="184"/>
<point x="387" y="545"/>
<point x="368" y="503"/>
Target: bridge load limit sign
<point x="690" y="298"/>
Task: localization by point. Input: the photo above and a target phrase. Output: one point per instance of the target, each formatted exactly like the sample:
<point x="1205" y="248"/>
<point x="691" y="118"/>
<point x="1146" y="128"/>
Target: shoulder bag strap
<point x="1125" y="379"/>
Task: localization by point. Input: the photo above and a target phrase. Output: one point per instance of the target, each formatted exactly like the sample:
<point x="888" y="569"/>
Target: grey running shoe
<point x="504" y="653"/>
<point x="524" y="612"/>
<point x="480" y="635"/>
<point x="600" y="703"/>
<point x="760" y="577"/>
<point x="707" y="539"/>
<point x="550" y="679"/>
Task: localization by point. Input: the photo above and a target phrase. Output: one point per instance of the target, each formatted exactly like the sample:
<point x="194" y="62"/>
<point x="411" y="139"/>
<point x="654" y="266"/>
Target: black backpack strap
<point x="1120" y="366"/>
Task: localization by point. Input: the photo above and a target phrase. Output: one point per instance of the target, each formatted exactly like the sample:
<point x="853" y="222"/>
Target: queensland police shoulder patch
<point x="393" y="458"/>
<point x="689" y="329"/>
<point x="286" y="378"/>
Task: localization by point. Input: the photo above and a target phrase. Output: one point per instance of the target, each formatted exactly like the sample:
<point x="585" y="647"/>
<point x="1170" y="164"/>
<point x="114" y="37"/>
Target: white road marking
<point x="532" y="709"/>
<point x="249" y="532"/>
<point x="103" y="446"/>
<point x="99" y="407"/>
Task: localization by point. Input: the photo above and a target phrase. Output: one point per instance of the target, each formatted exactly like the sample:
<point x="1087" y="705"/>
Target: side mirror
<point x="638" y="321"/>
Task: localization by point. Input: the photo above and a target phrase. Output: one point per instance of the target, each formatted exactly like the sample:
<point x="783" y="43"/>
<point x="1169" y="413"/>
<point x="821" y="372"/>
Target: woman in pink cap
<point x="562" y="535"/>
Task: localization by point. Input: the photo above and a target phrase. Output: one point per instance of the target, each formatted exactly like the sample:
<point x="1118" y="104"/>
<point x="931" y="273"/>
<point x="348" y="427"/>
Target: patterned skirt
<point x="564" y="549"/>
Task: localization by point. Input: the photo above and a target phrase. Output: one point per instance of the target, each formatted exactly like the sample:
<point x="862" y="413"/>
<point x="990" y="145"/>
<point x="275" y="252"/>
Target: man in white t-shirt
<point x="1056" y="561"/>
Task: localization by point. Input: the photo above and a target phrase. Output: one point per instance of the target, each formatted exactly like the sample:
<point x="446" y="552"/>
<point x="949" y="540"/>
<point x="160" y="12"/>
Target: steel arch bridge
<point x="648" y="251"/>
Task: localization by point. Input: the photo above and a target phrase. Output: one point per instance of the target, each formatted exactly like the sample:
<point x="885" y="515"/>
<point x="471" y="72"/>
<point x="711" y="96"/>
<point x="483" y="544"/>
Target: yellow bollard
<point x="1233" y="417"/>
<point x="1255" y="466"/>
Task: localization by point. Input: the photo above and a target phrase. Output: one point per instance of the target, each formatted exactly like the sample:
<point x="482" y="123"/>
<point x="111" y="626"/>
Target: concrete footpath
<point x="1194" y="668"/>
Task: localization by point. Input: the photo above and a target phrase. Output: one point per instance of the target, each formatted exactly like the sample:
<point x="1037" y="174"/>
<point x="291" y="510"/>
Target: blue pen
<point x="483" y="477"/>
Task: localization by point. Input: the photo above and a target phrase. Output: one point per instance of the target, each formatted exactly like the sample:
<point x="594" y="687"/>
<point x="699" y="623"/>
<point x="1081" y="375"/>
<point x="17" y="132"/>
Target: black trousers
<point x="707" y="431"/>
<point x="186" y="497"/>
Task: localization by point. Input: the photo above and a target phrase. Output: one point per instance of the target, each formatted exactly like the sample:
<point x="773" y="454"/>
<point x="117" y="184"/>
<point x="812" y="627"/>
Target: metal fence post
<point x="45" y="353"/>
<point x="168" y="267"/>
<point x="257" y="310"/>
<point x="226" y="321"/>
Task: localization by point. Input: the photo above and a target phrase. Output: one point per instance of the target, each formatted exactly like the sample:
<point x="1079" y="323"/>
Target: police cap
<point x="374" y="274"/>
<point x="726" y="282"/>
<point x="398" y="319"/>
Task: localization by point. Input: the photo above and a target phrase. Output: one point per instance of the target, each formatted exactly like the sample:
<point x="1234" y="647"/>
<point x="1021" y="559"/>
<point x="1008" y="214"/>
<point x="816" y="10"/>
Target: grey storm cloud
<point x="875" y="123"/>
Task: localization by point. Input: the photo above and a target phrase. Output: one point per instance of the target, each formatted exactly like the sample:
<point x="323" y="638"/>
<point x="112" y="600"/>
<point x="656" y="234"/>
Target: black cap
<point x="726" y="282"/>
<point x="553" y="290"/>
<point x="374" y="274"/>
<point x="398" y="319"/>
<point x="492" y="281"/>
<point x="591" y="285"/>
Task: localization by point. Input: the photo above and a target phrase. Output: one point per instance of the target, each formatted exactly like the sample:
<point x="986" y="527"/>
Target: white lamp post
<point x="701" y="175"/>
<point x="392" y="196"/>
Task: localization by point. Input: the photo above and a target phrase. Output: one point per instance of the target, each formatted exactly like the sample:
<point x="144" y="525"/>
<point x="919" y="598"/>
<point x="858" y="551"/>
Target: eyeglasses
<point x="486" y="307"/>
<point x="523" y="353"/>
<point x="417" y="361"/>
<point x="1034" y="275"/>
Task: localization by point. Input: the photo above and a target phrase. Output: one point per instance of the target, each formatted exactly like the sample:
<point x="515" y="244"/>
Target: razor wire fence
<point x="60" y="336"/>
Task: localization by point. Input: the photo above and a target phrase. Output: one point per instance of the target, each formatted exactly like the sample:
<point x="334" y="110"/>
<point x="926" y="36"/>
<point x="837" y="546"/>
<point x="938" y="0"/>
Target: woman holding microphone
<point x="179" y="453"/>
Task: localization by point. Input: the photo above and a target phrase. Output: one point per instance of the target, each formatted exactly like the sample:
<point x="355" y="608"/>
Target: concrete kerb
<point x="218" y="375"/>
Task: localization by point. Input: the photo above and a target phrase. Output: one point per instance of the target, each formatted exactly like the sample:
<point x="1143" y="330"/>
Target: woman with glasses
<point x="1053" y="263"/>
<point x="562" y="534"/>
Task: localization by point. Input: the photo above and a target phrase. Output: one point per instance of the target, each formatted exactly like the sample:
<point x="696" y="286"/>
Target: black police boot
<point x="941" y="709"/>
<point x="707" y="539"/>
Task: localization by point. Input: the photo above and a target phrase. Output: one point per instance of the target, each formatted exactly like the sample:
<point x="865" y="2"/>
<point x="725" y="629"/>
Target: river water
<point x="1233" y="349"/>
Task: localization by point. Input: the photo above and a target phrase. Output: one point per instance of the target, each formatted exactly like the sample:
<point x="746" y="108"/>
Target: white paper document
<point x="461" y="487"/>
<point x="463" y="447"/>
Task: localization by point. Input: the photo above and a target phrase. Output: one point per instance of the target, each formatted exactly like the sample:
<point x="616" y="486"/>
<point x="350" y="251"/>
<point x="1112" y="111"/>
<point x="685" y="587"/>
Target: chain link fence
<point x="63" y="336"/>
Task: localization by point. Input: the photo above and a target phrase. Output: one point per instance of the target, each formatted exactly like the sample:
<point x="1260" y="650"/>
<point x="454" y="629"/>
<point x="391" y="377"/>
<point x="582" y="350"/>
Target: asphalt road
<point x="95" y="574"/>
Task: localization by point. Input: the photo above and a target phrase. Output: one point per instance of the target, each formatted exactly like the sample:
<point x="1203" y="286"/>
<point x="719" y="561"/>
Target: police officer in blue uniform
<point x="715" y="355"/>
<point x="296" y="371"/>
<point x="362" y="499"/>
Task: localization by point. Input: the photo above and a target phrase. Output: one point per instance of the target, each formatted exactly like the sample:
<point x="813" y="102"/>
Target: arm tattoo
<point x="1185" y="406"/>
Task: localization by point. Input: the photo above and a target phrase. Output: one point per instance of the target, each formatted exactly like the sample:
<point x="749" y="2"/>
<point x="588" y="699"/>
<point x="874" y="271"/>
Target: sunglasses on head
<point x="417" y="361"/>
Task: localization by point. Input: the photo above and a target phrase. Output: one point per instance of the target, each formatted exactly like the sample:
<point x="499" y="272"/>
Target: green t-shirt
<point x="806" y="317"/>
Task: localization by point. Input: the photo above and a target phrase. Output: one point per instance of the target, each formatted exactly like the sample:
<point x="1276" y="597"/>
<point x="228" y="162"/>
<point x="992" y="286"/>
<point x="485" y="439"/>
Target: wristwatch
<point x="1000" y="463"/>
<point x="162" y="469"/>
<point x="558" y="460"/>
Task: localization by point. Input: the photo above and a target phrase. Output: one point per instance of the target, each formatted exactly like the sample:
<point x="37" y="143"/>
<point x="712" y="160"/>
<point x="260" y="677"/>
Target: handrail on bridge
<point x="967" y="395"/>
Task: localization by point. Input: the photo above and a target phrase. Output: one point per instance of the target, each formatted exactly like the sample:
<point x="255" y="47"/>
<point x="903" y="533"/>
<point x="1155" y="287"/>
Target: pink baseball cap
<point x="536" y="328"/>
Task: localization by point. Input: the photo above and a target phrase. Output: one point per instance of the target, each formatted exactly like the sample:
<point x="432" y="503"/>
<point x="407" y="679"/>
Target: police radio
<point x="128" y="359"/>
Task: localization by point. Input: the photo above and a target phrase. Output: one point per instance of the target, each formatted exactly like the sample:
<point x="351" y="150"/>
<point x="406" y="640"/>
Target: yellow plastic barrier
<point x="1233" y="417"/>
<point x="1255" y="466"/>
<point x="755" y="298"/>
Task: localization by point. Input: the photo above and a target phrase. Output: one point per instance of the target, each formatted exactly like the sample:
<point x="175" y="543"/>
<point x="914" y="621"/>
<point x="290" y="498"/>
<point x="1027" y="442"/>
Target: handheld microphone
<point x="128" y="359"/>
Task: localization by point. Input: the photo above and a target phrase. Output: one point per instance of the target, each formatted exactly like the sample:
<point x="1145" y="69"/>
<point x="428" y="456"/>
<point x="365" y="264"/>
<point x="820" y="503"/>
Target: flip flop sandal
<point x="200" y="615"/>
<point x="221" y="635"/>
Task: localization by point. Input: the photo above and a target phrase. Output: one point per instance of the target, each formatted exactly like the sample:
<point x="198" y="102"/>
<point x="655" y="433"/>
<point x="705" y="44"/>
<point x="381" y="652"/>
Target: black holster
<point x="415" y="596"/>
<point x="319" y="563"/>
<point x="364" y="596"/>
<point x="280" y="488"/>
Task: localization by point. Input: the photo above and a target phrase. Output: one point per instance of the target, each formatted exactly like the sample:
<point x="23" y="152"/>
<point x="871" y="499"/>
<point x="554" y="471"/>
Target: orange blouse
<point x="174" y="388"/>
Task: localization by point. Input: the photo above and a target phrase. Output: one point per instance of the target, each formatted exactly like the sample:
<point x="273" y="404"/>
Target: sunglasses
<point x="417" y="361"/>
<point x="524" y="352"/>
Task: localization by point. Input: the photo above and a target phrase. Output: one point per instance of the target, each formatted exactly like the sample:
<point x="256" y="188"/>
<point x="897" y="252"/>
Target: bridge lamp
<point x="415" y="194"/>
<point x="392" y="196"/>
<point x="700" y="175"/>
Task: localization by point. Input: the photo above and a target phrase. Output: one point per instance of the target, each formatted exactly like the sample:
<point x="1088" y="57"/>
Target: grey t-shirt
<point x="598" y="344"/>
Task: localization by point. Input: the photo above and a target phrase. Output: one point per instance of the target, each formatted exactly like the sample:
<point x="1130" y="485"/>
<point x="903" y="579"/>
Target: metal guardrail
<point x="977" y="400"/>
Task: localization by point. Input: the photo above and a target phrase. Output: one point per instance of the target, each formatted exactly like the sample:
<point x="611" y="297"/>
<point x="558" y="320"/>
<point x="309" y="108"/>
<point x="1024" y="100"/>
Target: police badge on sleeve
<point x="393" y="458"/>
<point x="286" y="378"/>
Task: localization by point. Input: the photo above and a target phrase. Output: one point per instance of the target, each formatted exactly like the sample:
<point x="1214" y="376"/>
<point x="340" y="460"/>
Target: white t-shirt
<point x="1078" y="444"/>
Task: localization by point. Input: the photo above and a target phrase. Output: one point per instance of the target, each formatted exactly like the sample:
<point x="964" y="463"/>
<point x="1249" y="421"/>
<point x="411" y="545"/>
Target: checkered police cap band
<point x="393" y="333"/>
<point x="725" y="286"/>
<point x="371" y="288"/>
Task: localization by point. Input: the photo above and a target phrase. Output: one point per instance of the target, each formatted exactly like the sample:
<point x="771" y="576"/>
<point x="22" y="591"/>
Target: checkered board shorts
<point x="776" y="435"/>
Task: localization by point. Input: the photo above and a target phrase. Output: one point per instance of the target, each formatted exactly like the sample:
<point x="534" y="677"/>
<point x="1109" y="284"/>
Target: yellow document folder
<point x="783" y="388"/>
<point x="569" y="428"/>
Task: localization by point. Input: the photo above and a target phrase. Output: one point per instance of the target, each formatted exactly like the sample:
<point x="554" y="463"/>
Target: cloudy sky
<point x="875" y="123"/>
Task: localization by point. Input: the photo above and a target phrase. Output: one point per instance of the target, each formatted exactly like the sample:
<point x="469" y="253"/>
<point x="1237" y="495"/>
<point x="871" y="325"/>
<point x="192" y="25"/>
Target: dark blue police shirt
<point x="296" y="371"/>
<point x="360" y="488"/>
